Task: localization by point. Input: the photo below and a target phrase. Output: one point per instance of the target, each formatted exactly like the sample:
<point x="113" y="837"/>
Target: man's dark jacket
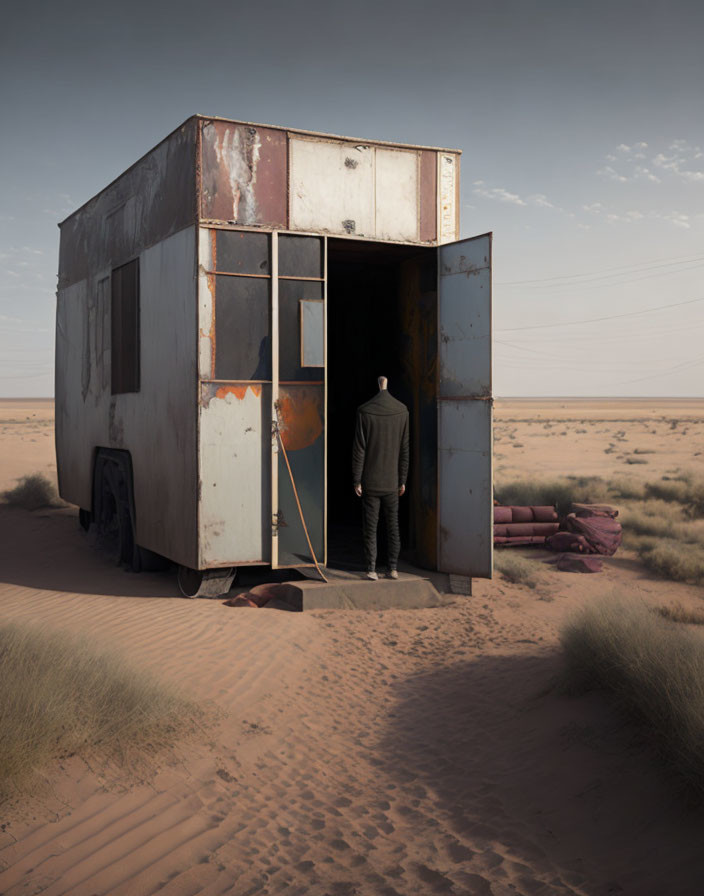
<point x="380" y="448"/>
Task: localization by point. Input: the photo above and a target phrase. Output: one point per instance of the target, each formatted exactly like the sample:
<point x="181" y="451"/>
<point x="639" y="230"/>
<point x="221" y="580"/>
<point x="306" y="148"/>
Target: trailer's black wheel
<point x="115" y="523"/>
<point x="211" y="583"/>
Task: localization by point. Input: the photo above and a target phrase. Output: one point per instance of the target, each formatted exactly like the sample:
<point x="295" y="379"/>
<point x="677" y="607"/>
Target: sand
<point x="396" y="752"/>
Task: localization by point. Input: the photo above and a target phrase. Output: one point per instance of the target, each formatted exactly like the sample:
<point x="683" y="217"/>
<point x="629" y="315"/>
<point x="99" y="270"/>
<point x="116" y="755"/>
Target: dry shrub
<point x="643" y="451"/>
<point x="671" y="490"/>
<point x="515" y="568"/>
<point x="561" y="492"/>
<point x="59" y="696"/>
<point x="655" y="671"/>
<point x="636" y="460"/>
<point x="677" y="612"/>
<point x="627" y="489"/>
<point x="33" y="492"/>
<point x="673" y="560"/>
<point x="658" y="519"/>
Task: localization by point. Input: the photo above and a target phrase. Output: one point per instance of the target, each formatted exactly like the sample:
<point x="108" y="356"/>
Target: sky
<point x="581" y="126"/>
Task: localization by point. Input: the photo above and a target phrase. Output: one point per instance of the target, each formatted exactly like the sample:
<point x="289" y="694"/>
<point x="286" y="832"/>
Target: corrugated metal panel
<point x="159" y="422"/>
<point x="397" y="194"/>
<point x="331" y="186"/>
<point x="157" y="425"/>
<point x="243" y="174"/>
<point x="235" y="473"/>
<point x="465" y="318"/>
<point x="465" y="516"/>
<point x="150" y="201"/>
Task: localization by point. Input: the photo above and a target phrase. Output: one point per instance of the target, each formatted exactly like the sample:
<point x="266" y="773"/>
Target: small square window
<point x="312" y="333"/>
<point x="124" y="328"/>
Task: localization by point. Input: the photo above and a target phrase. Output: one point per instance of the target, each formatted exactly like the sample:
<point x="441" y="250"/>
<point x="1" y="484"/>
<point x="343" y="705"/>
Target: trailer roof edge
<point x="275" y="127"/>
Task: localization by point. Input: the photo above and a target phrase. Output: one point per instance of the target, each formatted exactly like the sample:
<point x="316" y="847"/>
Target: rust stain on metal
<point x="428" y="196"/>
<point x="300" y="417"/>
<point x="239" y="391"/>
<point x="244" y="174"/>
<point x="210" y="391"/>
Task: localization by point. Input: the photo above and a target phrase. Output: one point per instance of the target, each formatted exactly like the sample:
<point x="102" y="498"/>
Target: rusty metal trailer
<point x="240" y="288"/>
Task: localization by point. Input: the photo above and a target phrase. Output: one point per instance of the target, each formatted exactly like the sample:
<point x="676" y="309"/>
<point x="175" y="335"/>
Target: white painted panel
<point x="447" y="193"/>
<point x="465" y="502"/>
<point x="397" y="195"/>
<point x="331" y="187"/>
<point x="235" y="474"/>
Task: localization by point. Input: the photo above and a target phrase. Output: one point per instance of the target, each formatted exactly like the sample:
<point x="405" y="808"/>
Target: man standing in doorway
<point x="379" y="471"/>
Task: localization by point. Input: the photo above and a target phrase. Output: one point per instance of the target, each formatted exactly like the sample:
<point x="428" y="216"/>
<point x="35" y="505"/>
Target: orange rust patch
<point x="238" y="391"/>
<point x="300" y="417"/>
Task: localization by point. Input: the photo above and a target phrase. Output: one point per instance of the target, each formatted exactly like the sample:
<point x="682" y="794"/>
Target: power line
<point x="585" y="285"/>
<point x="628" y="268"/>
<point x="693" y="362"/>
<point x="592" y="320"/>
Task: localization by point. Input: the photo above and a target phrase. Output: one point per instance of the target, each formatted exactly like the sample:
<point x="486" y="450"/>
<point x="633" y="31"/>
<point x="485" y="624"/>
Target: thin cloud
<point x="674" y="218"/>
<point x="501" y="194"/>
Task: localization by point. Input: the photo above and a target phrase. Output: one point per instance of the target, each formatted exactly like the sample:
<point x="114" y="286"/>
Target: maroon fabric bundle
<point x="572" y="563"/>
<point x="602" y="532"/>
<point x="605" y="510"/>
<point x="568" y="541"/>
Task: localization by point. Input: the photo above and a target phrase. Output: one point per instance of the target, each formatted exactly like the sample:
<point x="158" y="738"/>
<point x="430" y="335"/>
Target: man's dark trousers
<point x="370" y="520"/>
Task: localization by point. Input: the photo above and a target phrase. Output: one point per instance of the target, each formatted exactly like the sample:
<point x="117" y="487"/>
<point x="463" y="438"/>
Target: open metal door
<point x="299" y="359"/>
<point x="465" y="493"/>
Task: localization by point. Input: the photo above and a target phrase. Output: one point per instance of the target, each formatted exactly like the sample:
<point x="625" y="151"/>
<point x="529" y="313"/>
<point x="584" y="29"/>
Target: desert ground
<point x="361" y="752"/>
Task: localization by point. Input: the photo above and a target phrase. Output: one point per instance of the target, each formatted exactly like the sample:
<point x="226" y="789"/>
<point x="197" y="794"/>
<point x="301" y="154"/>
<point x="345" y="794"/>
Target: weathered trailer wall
<point x="153" y="199"/>
<point x="157" y="424"/>
<point x="257" y="176"/>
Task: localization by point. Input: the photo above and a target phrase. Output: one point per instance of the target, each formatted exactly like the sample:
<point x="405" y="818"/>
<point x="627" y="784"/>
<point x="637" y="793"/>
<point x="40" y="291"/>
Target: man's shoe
<point x="371" y="574"/>
<point x="393" y="573"/>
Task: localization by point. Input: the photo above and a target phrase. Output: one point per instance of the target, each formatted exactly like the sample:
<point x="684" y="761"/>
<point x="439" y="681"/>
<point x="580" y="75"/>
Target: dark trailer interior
<point x="382" y="321"/>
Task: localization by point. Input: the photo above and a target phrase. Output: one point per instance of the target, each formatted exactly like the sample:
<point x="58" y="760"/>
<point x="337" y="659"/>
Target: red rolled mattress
<point x="524" y="525"/>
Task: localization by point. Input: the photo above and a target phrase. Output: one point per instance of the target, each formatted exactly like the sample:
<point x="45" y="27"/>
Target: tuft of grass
<point x="626" y="489"/>
<point x="643" y="451"/>
<point x="673" y="560"/>
<point x="59" y="696"/>
<point x="653" y="669"/>
<point x="561" y="492"/>
<point x="677" y="612"/>
<point x="672" y="490"/>
<point x="516" y="569"/>
<point x="636" y="460"/>
<point x="33" y="492"/>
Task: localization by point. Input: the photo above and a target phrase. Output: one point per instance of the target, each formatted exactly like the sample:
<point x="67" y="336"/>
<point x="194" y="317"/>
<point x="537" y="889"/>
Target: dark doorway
<point x="382" y="311"/>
